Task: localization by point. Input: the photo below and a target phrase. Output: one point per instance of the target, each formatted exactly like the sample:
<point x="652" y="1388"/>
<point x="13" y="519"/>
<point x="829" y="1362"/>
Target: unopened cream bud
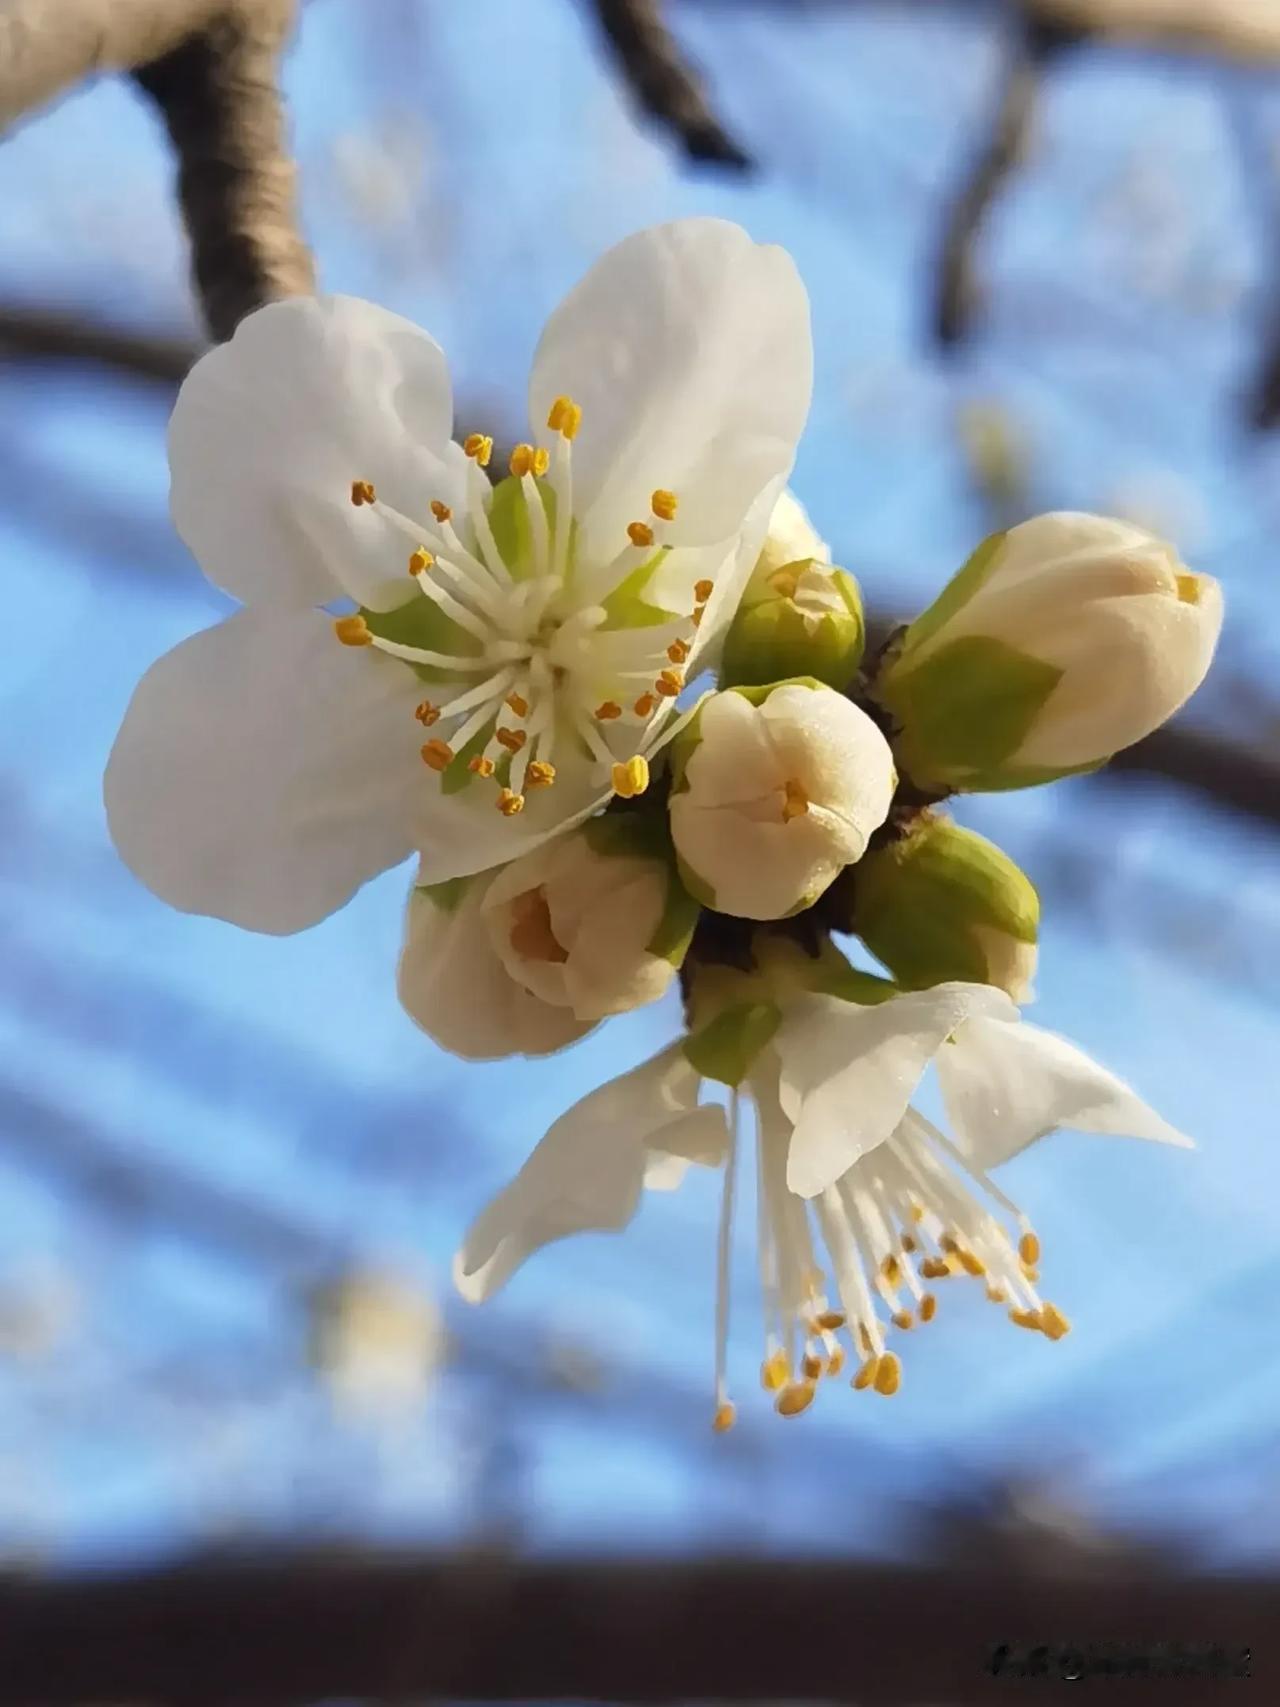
<point x="792" y="538"/>
<point x="944" y="905"/>
<point x="776" y="789"/>
<point x="596" y="921"/>
<point x="1058" y="643"/>
<point x="804" y="619"/>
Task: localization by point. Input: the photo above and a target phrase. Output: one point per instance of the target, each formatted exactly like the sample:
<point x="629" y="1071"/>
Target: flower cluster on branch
<point x="616" y="702"/>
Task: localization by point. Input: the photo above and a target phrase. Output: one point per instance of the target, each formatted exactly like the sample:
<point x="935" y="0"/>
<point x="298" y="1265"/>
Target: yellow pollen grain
<point x="664" y="505"/>
<point x="362" y="492"/>
<point x="903" y="1319"/>
<point x="928" y="1307"/>
<point x="521" y="460"/>
<point x="702" y="591"/>
<point x="639" y="533"/>
<point x="830" y="1320"/>
<point x="866" y="1375"/>
<point x="888" y="1375"/>
<point x="511" y="739"/>
<point x="1029" y="1249"/>
<point x="479" y="447"/>
<point x="678" y="651"/>
<point x="509" y="804"/>
<point x="540" y="774"/>
<point x="1053" y="1322"/>
<point x="794" y="1399"/>
<point x="668" y="684"/>
<point x="440" y="511"/>
<point x="438" y="755"/>
<point x="353" y="631"/>
<point x="427" y="713"/>
<point x="643" y="706"/>
<point x="775" y="1372"/>
<point x="1025" y="1319"/>
<point x="480" y="766"/>
<point x="725" y="1417"/>
<point x="811" y="1366"/>
<point x="519" y="704"/>
<point x="631" y="779"/>
<point x="420" y="561"/>
<point x="607" y="711"/>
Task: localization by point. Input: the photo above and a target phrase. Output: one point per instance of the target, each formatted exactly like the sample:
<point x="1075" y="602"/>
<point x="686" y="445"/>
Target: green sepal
<point x="956" y="594"/>
<point x="726" y="1048"/>
<point x="670" y="941"/>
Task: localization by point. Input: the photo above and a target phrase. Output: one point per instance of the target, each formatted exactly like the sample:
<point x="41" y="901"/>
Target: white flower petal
<point x="848" y="1072"/>
<point x="1005" y="1085"/>
<point x="270" y="430"/>
<point x="688" y="348"/>
<point x="586" y="1174"/>
<point x="454" y="986"/>
<point x="264" y="771"/>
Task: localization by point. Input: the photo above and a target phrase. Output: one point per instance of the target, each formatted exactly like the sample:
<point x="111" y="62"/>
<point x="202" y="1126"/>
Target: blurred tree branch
<point x="39" y="334"/>
<point x="211" y="68"/>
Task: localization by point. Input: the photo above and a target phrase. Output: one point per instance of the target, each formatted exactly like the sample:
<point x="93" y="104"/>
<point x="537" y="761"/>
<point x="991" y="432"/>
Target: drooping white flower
<point x="777" y="790"/>
<point x="862" y="1203"/>
<point x="595" y="921"/>
<point x="1060" y="642"/>
<point x="516" y="649"/>
<point x="454" y="984"/>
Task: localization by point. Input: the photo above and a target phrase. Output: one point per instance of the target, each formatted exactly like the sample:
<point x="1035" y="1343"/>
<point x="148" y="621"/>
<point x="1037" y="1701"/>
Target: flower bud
<point x="1058" y="643"/>
<point x="775" y="791"/>
<point x="596" y="921"/>
<point x="803" y="619"/>
<point x="457" y="989"/>
<point x="945" y="905"/>
<point x="791" y="538"/>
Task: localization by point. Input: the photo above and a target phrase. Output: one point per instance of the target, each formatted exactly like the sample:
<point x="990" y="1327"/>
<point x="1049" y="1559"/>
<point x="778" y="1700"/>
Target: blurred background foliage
<point x="232" y="1174"/>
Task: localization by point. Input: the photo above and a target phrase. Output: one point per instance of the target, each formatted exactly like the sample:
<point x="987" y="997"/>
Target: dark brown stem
<point x="663" y="81"/>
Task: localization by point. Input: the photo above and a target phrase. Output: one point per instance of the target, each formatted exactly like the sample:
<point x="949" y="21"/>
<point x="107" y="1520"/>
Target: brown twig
<point x="662" y="80"/>
<point x="40" y="334"/>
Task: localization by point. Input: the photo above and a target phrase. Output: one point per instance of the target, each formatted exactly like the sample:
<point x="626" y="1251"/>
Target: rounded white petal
<point x="688" y="348"/>
<point x="264" y="771"/>
<point x="271" y="429"/>
<point x="1007" y="1084"/>
<point x="848" y="1072"/>
<point x="586" y="1174"/>
<point x="455" y="987"/>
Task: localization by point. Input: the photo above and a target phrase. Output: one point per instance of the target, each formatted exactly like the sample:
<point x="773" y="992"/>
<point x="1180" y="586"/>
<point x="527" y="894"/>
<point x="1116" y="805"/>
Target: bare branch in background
<point x="212" y="71"/>
<point x="663" y="81"/>
<point x="41" y="334"/>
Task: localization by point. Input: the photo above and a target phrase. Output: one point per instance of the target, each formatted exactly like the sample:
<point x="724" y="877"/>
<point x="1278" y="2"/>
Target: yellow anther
<point x="784" y="583"/>
<point x="362" y="492"/>
<point x="1053" y="1322"/>
<point x="1029" y="1273"/>
<point x="644" y="705"/>
<point x="353" y="631"/>
<point x="639" y="533"/>
<point x="565" y="417"/>
<point x="1029" y="1249"/>
<point x="888" y="1375"/>
<point x="678" y="651"/>
<point x="794" y="1399"/>
<point x="903" y="1319"/>
<point x="480" y="766"/>
<point x="795" y="802"/>
<point x="479" y="447"/>
<point x="1189" y="589"/>
<point x="891" y="1269"/>
<point x="607" y="711"/>
<point x="811" y="1366"/>
<point x="631" y="779"/>
<point x="972" y="1263"/>
<point x="997" y="1295"/>
<point x="949" y="1243"/>
<point x="556" y="412"/>
<point x="668" y="684"/>
<point x="928" y="1307"/>
<point x="917" y="1213"/>
<point x="866" y="1375"/>
<point x="1025" y="1319"/>
<point x="664" y="505"/>
<point x="511" y="739"/>
<point x="420" y="561"/>
<point x="438" y="755"/>
<point x="427" y="713"/>
<point x="725" y="1417"/>
<point x="954" y="1265"/>
<point x="865" y="1341"/>
<point x="522" y="460"/>
<point x="775" y="1372"/>
<point x="541" y="461"/>
<point x="540" y="774"/>
<point x="440" y="511"/>
<point x="830" y="1320"/>
<point x="908" y="1243"/>
<point x="835" y="1363"/>
<point x="519" y="704"/>
<point x="509" y="804"/>
<point x="696" y="617"/>
<point x="934" y="1268"/>
<point x="702" y="591"/>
